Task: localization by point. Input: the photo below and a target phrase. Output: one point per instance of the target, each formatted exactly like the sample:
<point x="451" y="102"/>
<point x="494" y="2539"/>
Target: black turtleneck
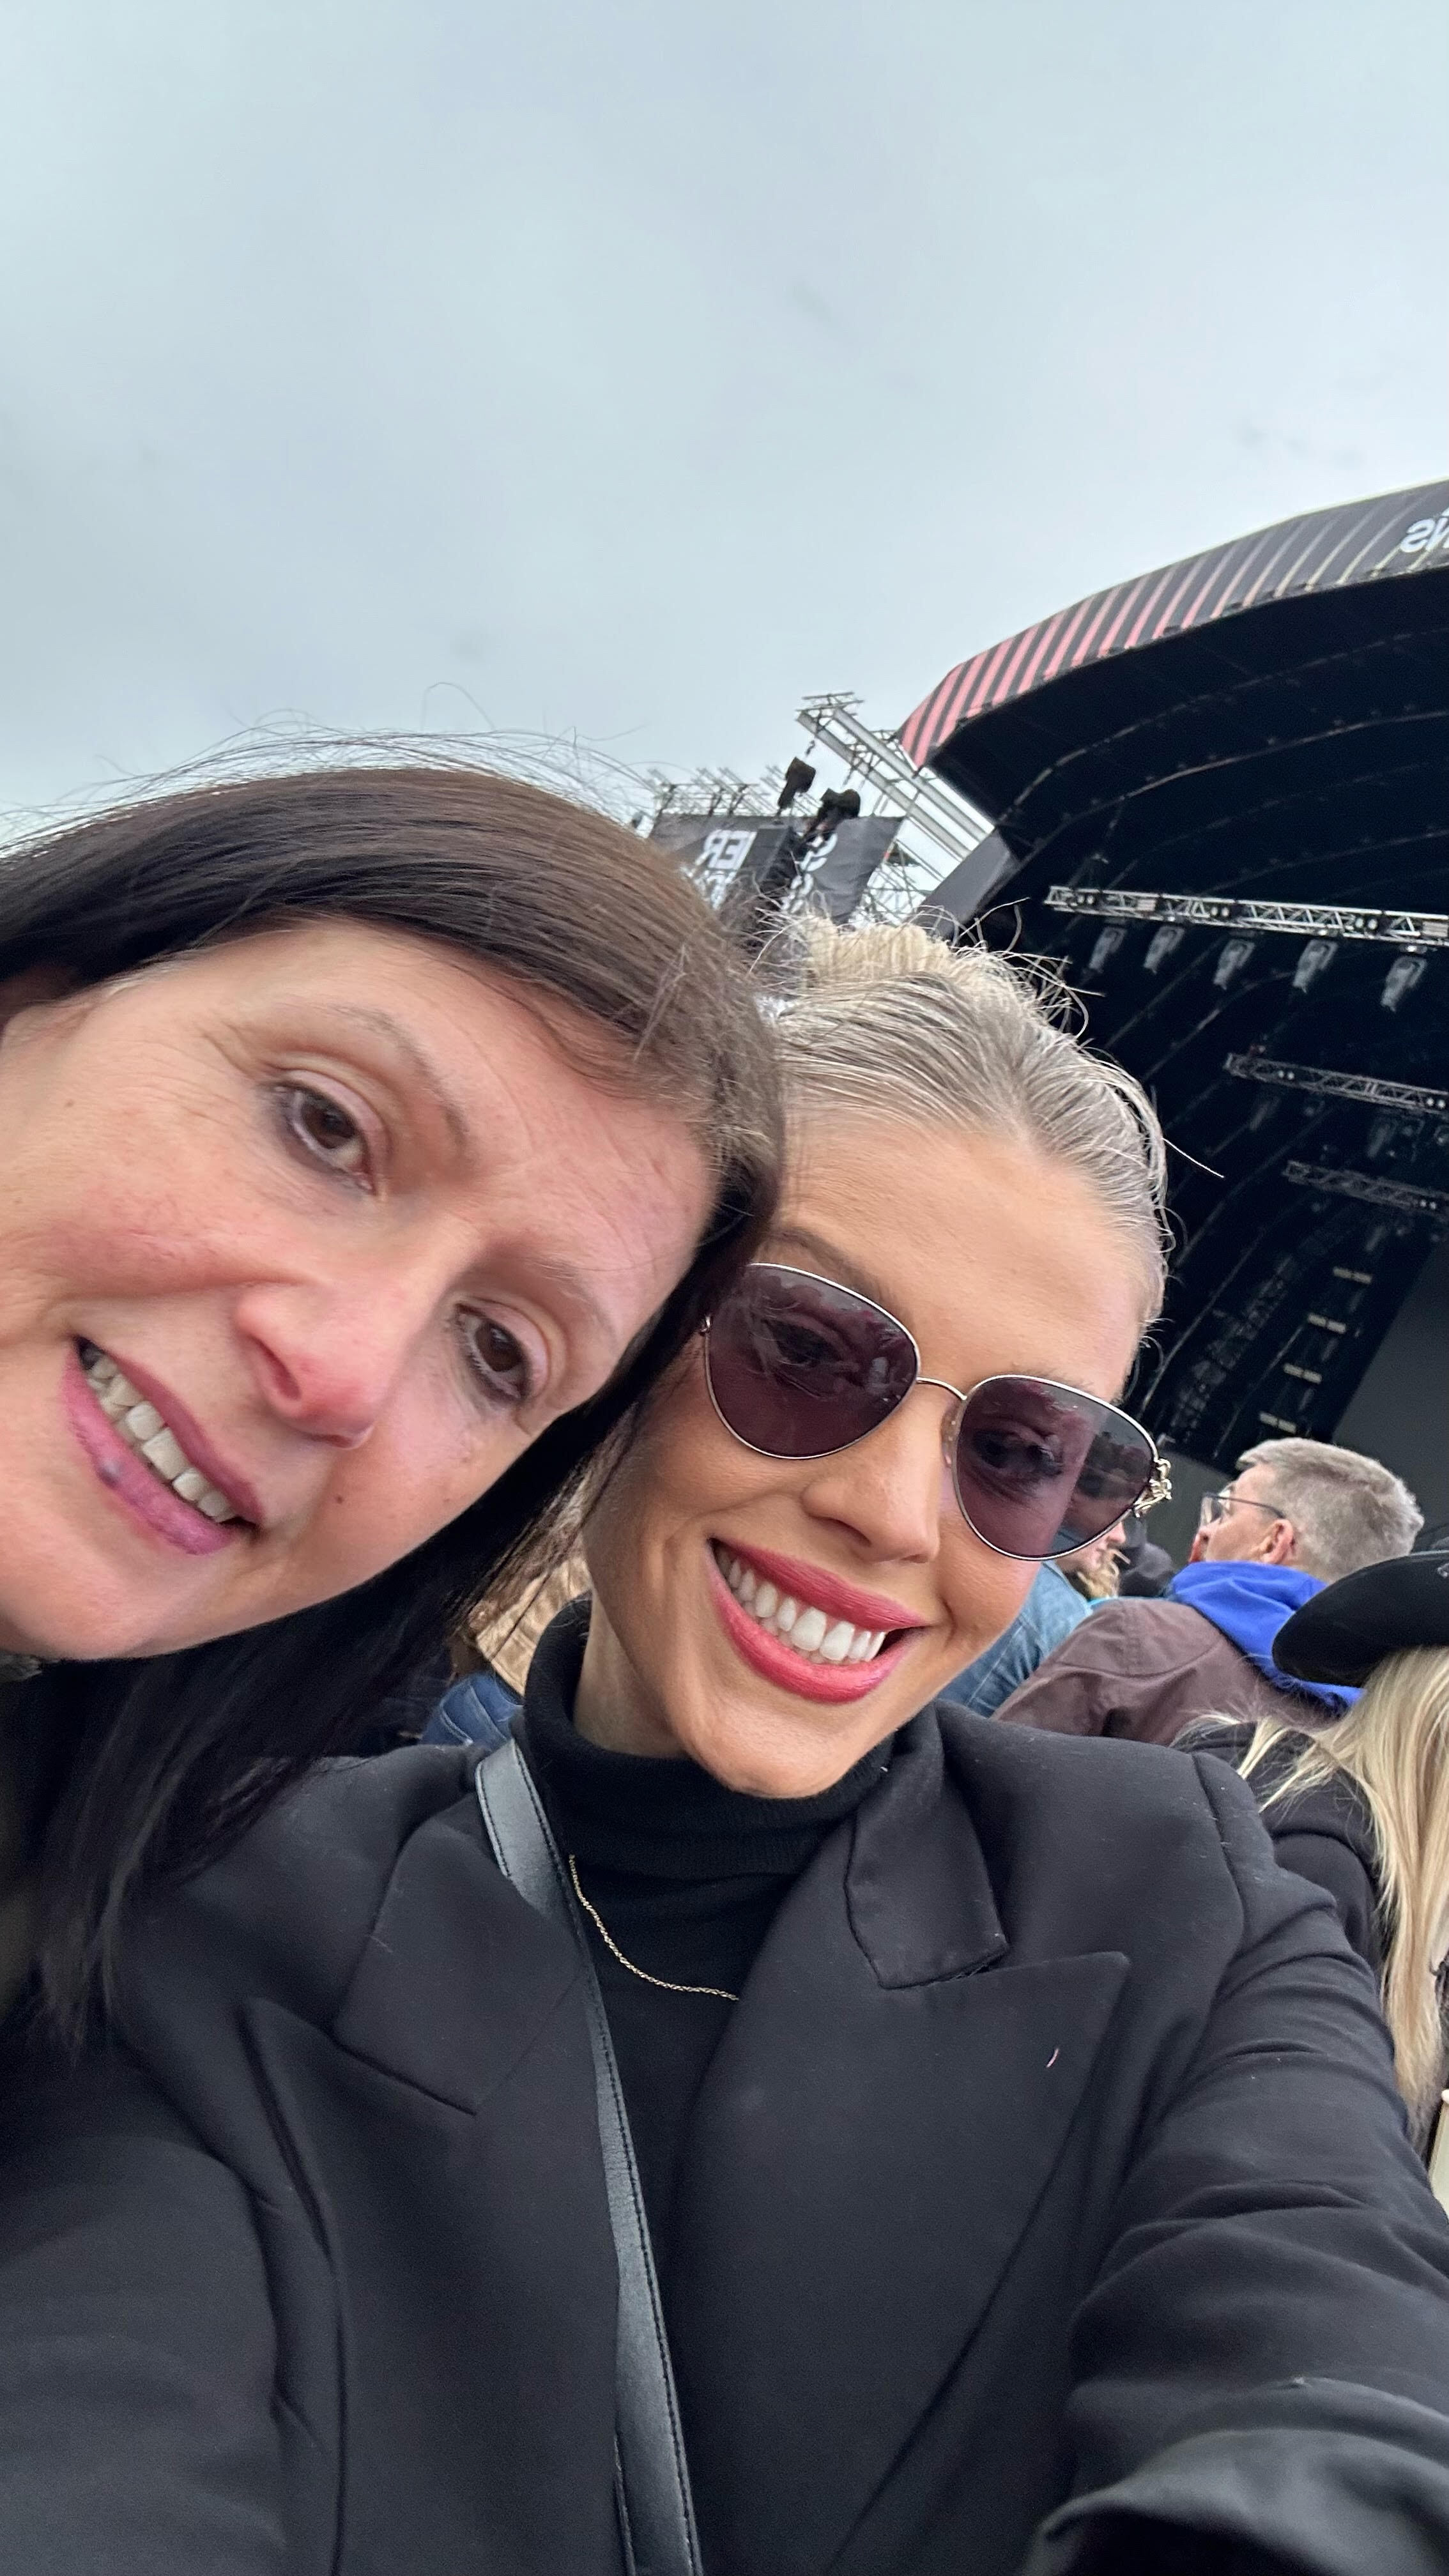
<point x="687" y="1877"/>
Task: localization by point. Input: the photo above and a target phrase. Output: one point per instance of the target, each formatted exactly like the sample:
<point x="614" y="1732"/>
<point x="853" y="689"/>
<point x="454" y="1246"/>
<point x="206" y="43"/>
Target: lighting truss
<point x="1404" y="930"/>
<point x="921" y="798"/>
<point x="1405" y="1197"/>
<point x="1409" y="1098"/>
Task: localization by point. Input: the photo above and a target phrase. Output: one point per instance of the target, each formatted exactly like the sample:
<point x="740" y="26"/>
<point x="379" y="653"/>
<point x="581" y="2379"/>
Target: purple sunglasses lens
<point x="1041" y="1469"/>
<point x="798" y="1367"/>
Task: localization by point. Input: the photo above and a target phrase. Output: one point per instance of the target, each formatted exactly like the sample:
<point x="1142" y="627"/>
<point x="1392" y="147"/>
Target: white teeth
<point x="166" y="1455"/>
<point x="147" y="1432"/>
<point x="817" y="1638"/>
<point x="808" y="1632"/>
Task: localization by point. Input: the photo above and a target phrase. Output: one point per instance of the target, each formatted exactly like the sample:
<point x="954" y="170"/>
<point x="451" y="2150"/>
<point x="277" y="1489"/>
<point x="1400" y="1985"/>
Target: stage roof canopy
<point x="1221" y="798"/>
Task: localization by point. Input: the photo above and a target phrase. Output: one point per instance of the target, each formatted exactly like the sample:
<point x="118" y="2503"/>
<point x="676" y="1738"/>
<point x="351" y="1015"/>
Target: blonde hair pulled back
<point x="891" y="1022"/>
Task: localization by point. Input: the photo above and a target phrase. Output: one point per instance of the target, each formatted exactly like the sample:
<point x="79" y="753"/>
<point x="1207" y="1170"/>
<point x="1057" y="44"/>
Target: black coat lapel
<point x="869" y="2144"/>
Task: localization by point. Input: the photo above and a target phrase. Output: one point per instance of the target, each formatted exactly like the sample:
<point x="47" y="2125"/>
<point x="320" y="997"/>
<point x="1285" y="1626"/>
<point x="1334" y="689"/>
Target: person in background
<point x="1147" y="1569"/>
<point x="1096" y="1569"/>
<point x="1298" y="1514"/>
<point x="1361" y="1805"/>
<point x="480" y="1705"/>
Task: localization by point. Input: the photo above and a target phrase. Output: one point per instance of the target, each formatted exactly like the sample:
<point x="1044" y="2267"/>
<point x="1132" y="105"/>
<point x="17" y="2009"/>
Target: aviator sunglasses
<point x="798" y="1367"/>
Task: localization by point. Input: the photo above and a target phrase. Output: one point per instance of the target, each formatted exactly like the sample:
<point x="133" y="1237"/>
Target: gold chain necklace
<point x="667" y="1984"/>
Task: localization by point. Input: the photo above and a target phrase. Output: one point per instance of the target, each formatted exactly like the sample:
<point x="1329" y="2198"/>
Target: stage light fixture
<point x="1161" y="946"/>
<point x="1314" y="959"/>
<point x="1105" y="947"/>
<point x="1405" y="974"/>
<point x="798" y="779"/>
<point x="837" y="805"/>
<point x="1234" y="957"/>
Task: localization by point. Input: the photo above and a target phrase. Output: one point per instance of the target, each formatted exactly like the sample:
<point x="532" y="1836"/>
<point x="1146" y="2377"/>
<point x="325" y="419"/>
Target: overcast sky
<point x="629" y="368"/>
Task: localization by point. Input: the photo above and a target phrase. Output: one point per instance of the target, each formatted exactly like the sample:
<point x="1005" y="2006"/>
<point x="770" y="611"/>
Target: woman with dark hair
<point x="1016" y="2182"/>
<point x="370" y="1138"/>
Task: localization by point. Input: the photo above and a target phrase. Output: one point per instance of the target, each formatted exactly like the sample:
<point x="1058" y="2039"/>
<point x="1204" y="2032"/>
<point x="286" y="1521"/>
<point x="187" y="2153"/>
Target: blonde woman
<point x="1361" y="1806"/>
<point x="1017" y="2179"/>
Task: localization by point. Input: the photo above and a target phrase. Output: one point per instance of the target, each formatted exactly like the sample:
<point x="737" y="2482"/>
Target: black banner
<point x="754" y="859"/>
<point x="733" y="855"/>
<point x="836" y="870"/>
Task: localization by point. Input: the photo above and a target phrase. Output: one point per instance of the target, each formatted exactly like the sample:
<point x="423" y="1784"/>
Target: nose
<point x="890" y="1491"/>
<point x="326" y="1358"/>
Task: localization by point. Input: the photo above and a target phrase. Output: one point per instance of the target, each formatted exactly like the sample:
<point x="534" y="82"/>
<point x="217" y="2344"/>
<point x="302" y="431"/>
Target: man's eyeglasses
<point x="799" y="1367"/>
<point x="1216" y="1507"/>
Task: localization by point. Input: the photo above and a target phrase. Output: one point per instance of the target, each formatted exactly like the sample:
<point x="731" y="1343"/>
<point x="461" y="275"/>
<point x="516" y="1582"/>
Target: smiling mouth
<point x="801" y="1625"/>
<point x="148" y="1434"/>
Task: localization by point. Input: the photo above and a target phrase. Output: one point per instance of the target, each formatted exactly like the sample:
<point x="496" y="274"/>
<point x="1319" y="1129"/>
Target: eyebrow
<point x="832" y="1262"/>
<point x="382" y="1024"/>
<point x="570" y="1284"/>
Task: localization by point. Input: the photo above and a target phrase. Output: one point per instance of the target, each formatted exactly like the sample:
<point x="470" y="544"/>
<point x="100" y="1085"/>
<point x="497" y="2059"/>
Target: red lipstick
<point x="777" y="1662"/>
<point x="830" y="1592"/>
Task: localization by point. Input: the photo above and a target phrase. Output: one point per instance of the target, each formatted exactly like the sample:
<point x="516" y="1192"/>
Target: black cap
<point x="1350" y="1626"/>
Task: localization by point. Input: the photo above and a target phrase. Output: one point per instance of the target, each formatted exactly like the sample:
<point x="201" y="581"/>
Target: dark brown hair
<point x="156" y="1766"/>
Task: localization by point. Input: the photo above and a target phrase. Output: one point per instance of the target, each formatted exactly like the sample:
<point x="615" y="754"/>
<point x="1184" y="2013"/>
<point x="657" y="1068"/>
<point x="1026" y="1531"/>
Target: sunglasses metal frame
<point x="1156" y="1488"/>
<point x="1214" y="1508"/>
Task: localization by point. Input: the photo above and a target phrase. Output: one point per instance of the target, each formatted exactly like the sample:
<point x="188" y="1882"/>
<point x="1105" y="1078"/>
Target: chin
<point x="764" y="1754"/>
<point x="87" y="1628"/>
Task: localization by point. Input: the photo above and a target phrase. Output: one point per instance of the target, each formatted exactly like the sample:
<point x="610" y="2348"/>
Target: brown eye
<point x="323" y="1128"/>
<point x="499" y="1362"/>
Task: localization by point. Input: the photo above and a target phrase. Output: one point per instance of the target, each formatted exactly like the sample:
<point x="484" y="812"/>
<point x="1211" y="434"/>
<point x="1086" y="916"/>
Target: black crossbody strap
<point x="656" y="2510"/>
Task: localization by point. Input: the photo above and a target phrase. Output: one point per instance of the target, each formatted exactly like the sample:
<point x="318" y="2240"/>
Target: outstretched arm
<point x="1263" y="2361"/>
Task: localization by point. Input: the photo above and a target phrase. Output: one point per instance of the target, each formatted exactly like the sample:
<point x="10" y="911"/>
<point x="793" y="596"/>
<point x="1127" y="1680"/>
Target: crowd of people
<point x="880" y="2028"/>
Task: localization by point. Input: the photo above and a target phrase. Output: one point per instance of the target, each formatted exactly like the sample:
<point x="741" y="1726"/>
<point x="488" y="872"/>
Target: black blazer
<point x="1050" y="2171"/>
<point x="1325" y="1833"/>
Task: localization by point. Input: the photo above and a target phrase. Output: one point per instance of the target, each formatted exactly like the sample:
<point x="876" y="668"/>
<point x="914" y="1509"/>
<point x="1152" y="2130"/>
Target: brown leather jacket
<point x="1146" y="1669"/>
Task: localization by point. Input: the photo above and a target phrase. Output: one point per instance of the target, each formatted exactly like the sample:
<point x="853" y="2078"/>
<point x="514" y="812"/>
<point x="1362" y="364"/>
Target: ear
<point x="34" y="984"/>
<point x="1278" y="1547"/>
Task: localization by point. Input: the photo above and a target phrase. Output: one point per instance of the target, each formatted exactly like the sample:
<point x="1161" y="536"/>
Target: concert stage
<point x="1221" y="799"/>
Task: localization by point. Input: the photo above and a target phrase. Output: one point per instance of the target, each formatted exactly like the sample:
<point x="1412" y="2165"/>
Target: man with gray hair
<point x="1298" y="1514"/>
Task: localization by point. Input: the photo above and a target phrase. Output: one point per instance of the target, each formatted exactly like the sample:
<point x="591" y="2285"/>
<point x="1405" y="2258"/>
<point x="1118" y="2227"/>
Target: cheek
<point x="983" y="1593"/>
<point x="135" y="1194"/>
<point x="420" y="1470"/>
<point x="679" y="1471"/>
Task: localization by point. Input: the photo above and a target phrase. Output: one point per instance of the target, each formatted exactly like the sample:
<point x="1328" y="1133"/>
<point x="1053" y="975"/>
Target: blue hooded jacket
<point x="1249" y="1603"/>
